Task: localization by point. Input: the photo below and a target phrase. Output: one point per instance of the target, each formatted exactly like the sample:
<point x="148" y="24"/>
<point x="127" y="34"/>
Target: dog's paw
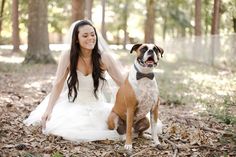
<point x="157" y="142"/>
<point x="158" y="146"/>
<point x="128" y="147"/>
<point x="147" y="136"/>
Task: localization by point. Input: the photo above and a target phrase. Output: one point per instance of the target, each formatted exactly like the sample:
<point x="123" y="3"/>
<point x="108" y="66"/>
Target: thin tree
<point x="216" y="18"/>
<point x="125" y="24"/>
<point x="103" y="27"/>
<point x="15" y="26"/>
<point x="149" y="24"/>
<point x="215" y="42"/>
<point x="88" y="9"/>
<point x="1" y="15"/>
<point x="197" y="27"/>
<point x="38" y="42"/>
<point x="78" y="10"/>
<point x="197" y="30"/>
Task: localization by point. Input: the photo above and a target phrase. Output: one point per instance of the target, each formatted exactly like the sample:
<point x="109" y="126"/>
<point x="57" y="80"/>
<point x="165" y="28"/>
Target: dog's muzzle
<point x="147" y="61"/>
<point x="150" y="62"/>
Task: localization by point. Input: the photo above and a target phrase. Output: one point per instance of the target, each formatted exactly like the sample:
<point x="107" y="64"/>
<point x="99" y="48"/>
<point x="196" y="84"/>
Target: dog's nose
<point x="150" y="52"/>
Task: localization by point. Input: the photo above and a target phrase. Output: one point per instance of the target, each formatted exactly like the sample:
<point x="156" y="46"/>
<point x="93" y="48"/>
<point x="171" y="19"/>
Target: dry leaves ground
<point x="186" y="131"/>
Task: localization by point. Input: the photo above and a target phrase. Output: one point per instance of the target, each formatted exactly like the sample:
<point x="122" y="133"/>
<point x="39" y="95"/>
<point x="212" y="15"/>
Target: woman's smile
<point x="87" y="37"/>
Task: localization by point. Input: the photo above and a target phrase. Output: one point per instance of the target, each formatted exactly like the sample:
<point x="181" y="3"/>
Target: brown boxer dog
<point x="138" y="96"/>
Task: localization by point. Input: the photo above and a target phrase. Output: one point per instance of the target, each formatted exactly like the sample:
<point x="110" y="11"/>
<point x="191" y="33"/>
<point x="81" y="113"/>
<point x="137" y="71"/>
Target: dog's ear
<point x="135" y="47"/>
<point x="160" y="50"/>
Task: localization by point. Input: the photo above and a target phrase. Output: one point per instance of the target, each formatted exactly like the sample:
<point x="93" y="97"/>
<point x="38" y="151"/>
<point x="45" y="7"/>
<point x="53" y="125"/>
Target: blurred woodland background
<point x="201" y="30"/>
<point x="196" y="76"/>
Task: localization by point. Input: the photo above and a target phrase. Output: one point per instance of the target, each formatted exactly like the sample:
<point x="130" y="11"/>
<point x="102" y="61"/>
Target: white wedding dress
<point x="81" y="121"/>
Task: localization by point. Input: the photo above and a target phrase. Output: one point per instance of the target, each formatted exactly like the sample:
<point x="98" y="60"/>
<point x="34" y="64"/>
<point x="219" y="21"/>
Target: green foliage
<point x="59" y="13"/>
<point x="57" y="154"/>
<point x="222" y="110"/>
<point x="28" y="154"/>
<point x="180" y="18"/>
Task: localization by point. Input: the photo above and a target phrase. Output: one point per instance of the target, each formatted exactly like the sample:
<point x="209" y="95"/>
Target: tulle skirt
<point x="80" y="121"/>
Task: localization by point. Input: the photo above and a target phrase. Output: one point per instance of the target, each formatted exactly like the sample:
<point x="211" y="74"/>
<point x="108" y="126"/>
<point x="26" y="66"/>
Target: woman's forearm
<point x="56" y="91"/>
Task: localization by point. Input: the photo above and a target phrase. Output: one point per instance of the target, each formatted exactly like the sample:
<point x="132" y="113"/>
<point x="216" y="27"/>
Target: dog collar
<point x="140" y="75"/>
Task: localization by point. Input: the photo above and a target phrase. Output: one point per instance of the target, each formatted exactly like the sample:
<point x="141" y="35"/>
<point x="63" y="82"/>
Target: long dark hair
<point x="75" y="52"/>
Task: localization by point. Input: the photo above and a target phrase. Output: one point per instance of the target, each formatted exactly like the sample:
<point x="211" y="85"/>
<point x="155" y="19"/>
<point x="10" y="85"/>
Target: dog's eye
<point x="144" y="49"/>
<point x="155" y="49"/>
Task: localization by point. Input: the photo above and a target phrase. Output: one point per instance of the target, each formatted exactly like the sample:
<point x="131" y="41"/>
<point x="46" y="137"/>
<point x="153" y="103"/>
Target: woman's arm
<point x="61" y="75"/>
<point x="113" y="68"/>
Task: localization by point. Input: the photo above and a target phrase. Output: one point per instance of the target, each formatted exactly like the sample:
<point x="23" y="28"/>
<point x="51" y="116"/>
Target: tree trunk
<point x="234" y="24"/>
<point x="149" y="24"/>
<point x="125" y="24"/>
<point x="38" y="42"/>
<point x="216" y="18"/>
<point x="88" y="10"/>
<point x="198" y="18"/>
<point x="15" y="26"/>
<point x="215" y="40"/>
<point x="78" y="10"/>
<point x="103" y="26"/>
<point x="1" y="17"/>
<point x="197" y="31"/>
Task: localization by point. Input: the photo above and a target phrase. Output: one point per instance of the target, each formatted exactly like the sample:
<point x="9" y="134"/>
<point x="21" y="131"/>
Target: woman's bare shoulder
<point x="106" y="59"/>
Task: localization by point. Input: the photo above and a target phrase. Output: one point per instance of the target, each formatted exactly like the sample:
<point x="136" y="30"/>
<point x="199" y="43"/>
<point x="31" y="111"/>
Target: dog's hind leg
<point x="112" y="121"/>
<point x="141" y="126"/>
<point x="121" y="128"/>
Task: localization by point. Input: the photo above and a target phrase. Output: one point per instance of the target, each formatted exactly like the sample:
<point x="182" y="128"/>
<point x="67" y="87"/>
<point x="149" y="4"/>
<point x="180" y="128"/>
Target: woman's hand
<point x="46" y="117"/>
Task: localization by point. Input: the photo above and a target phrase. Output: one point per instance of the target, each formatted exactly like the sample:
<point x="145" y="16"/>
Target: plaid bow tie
<point x="141" y="75"/>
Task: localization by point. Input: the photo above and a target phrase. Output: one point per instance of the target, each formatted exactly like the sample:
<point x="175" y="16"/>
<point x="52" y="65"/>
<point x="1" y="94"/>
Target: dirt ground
<point x="185" y="132"/>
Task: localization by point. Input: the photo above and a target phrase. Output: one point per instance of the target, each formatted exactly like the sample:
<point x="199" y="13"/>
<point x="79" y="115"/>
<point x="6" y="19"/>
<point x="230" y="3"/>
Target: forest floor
<point x="197" y="110"/>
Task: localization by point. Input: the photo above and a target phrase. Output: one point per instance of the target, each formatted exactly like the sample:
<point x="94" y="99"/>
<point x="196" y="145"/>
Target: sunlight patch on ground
<point x="12" y="59"/>
<point x="220" y="85"/>
<point x="199" y="77"/>
<point x="5" y="99"/>
<point x="200" y="107"/>
<point x="53" y="47"/>
<point x="38" y="84"/>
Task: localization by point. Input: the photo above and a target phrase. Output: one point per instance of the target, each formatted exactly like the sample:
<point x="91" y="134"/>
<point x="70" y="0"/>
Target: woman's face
<point x="87" y="37"/>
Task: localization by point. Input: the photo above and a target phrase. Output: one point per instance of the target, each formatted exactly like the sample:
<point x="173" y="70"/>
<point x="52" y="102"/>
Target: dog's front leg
<point x="153" y="119"/>
<point x="129" y="123"/>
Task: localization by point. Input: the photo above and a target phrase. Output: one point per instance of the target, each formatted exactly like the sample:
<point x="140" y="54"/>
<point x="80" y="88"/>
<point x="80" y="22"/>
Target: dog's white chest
<point x="146" y="92"/>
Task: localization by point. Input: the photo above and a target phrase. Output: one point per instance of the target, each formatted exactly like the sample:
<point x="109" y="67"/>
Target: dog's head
<point x="148" y="55"/>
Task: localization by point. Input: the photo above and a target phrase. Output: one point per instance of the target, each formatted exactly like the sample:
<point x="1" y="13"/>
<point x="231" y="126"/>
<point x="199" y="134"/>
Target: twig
<point x="205" y="146"/>
<point x="217" y="131"/>
<point x="174" y="146"/>
<point x="175" y="153"/>
<point x="213" y="130"/>
<point x="141" y="152"/>
<point x="99" y="145"/>
<point x="106" y="153"/>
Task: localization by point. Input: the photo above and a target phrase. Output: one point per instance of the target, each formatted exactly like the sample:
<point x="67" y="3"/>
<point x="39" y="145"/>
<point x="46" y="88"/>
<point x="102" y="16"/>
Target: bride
<point x="79" y="111"/>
